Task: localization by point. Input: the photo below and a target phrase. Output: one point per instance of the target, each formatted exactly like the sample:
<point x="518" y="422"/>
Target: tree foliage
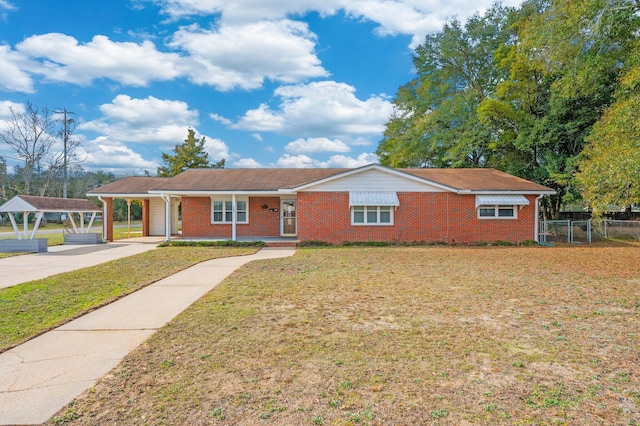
<point x="610" y="164"/>
<point x="188" y="155"/>
<point x="435" y="123"/>
<point x="517" y="89"/>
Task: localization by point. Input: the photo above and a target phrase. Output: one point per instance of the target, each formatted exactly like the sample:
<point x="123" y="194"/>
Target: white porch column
<point x="536" y="226"/>
<point x="233" y="218"/>
<point x="167" y="216"/>
<point x="25" y="224"/>
<point x="15" y="226"/>
<point x="36" y="224"/>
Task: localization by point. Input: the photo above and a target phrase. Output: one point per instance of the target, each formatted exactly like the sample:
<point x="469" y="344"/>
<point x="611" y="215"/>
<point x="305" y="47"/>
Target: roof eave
<point x="136" y="195"/>
<point x="208" y="193"/>
<point x="506" y="192"/>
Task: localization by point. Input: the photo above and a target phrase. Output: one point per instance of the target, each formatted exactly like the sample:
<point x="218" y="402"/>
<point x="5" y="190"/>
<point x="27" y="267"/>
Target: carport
<point x="27" y="204"/>
<point x="159" y="211"/>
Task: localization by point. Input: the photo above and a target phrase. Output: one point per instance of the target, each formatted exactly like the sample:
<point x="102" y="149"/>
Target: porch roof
<point x="31" y="203"/>
<point x="133" y="186"/>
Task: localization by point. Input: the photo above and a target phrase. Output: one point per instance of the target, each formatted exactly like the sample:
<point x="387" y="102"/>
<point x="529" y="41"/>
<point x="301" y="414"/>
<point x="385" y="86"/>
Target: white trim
<point x="227" y="192"/>
<point x="496" y="208"/>
<point x="131" y="195"/>
<point x="234" y="209"/>
<point x="281" y="215"/>
<point x="536" y="219"/>
<point x="352" y="212"/>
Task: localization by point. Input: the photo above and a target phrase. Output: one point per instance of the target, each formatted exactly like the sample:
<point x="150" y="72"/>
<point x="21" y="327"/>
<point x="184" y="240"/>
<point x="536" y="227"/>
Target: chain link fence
<point x="587" y="231"/>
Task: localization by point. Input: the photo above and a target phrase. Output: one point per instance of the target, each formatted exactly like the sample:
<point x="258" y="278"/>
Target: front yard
<point x="347" y="336"/>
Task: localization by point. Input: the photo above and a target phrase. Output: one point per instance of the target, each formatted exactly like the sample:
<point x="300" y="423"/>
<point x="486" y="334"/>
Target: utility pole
<point x="65" y="138"/>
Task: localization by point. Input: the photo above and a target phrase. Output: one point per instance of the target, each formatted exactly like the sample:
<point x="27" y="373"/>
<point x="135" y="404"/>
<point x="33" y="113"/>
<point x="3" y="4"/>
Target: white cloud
<point x="107" y="155"/>
<point x="320" y="109"/>
<point x="13" y="77"/>
<point x="246" y="163"/>
<point x="221" y="119"/>
<point x="216" y="149"/>
<point x="64" y="59"/>
<point x="5" y="4"/>
<point x="339" y="161"/>
<point x="297" y="162"/>
<point x="244" y="55"/>
<point x="149" y="120"/>
<point x="7" y="106"/>
<point x="257" y="136"/>
<point x="349" y="162"/>
<point x="411" y="17"/>
<point x="316" y="145"/>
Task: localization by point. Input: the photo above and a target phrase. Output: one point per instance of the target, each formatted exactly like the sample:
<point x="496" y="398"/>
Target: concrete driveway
<point x="64" y="258"/>
<point x="41" y="376"/>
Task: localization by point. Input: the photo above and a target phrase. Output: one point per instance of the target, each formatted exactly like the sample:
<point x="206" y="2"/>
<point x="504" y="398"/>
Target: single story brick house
<point x="370" y="203"/>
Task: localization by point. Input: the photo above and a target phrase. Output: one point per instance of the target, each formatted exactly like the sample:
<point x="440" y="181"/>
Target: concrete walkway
<point x="41" y="376"/>
<point x="64" y="258"/>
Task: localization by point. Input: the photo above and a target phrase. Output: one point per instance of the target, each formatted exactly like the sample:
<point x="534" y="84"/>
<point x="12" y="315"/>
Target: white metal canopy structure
<point x="27" y="204"/>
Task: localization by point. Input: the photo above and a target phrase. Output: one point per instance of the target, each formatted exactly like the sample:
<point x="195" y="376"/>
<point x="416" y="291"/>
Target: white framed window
<point x="222" y="210"/>
<point x="497" y="212"/>
<point x="372" y="215"/>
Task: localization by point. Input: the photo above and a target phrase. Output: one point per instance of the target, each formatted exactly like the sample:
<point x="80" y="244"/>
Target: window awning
<point x="373" y="199"/>
<point x="501" y="200"/>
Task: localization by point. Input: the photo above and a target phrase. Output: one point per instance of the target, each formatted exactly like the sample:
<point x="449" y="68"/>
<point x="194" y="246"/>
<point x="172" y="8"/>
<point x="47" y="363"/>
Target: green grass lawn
<point x="407" y="336"/>
<point x="29" y="309"/>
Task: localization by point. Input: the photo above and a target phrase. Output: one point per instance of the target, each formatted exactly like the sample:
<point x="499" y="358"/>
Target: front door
<point x="288" y="209"/>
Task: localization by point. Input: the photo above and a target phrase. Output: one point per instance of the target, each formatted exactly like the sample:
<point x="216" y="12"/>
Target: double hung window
<point x="222" y="210"/>
<point x="371" y="215"/>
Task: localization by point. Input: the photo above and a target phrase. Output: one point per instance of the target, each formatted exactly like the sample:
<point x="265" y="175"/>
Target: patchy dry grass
<point x="29" y="309"/>
<point x="407" y="336"/>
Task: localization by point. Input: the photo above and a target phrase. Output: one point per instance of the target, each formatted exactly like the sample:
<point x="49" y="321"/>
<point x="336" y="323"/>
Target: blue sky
<point x="286" y="83"/>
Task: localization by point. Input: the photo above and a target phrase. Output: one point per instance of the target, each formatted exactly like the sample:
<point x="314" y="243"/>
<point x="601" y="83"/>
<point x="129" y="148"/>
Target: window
<point x="371" y="215"/>
<point x="497" y="212"/>
<point x="222" y="210"/>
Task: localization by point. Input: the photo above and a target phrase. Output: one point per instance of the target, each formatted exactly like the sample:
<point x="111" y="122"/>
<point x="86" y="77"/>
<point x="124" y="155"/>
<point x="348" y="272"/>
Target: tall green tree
<point x="563" y="71"/>
<point x="188" y="155"/>
<point x="436" y="122"/>
<point x="610" y="164"/>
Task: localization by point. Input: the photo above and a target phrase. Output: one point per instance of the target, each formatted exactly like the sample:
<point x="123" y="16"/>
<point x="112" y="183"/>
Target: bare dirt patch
<point x="490" y="335"/>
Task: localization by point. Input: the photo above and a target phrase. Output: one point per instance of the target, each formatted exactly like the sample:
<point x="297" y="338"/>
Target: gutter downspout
<point x="536" y="226"/>
<point x="167" y="216"/>
<point x="104" y="218"/>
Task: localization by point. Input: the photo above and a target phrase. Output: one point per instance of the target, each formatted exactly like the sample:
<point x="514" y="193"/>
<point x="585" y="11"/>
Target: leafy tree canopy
<point x="517" y="89"/>
<point x="188" y="155"/>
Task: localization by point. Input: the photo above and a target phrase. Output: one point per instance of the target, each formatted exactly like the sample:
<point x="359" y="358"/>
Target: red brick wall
<point x="421" y="217"/>
<point x="325" y="216"/>
<point x="196" y="219"/>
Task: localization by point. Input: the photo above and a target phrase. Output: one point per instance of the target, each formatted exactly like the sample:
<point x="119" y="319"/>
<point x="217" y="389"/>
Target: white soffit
<point x="501" y="200"/>
<point x="373" y="199"/>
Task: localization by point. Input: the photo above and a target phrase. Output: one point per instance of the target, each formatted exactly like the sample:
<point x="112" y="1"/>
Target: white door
<point x="156" y="216"/>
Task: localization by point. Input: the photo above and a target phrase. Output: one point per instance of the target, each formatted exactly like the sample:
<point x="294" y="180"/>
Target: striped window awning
<point x="501" y="200"/>
<point x="373" y="199"/>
